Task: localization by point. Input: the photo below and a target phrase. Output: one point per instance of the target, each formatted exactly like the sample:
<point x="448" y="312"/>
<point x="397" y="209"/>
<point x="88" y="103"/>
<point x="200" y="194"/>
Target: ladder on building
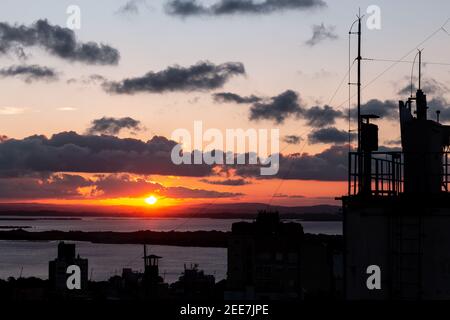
<point x="407" y="252"/>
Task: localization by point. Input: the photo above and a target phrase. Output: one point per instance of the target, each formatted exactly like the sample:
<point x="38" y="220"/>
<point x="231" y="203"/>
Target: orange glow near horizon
<point x="290" y="193"/>
<point x="274" y="191"/>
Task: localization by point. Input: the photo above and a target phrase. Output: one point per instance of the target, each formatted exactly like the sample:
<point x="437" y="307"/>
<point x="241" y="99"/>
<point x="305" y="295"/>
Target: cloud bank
<point x="113" y="126"/>
<point x="57" y="41"/>
<point x="202" y="76"/>
<point x="186" y="8"/>
<point x="72" y="152"/>
<point x="321" y="33"/>
<point x="29" y="73"/>
<point x="281" y="107"/>
<point x="73" y="186"/>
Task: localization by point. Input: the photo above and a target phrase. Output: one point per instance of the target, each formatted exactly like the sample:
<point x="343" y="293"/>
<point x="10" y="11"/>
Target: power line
<point x="394" y="63"/>
<point x="346" y="75"/>
<point x="289" y="169"/>
<point x="341" y="83"/>
<point x="406" y="61"/>
<point x="441" y="28"/>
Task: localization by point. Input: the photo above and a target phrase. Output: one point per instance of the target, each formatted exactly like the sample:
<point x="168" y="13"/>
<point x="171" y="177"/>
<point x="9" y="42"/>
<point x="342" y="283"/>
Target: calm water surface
<point x="105" y="260"/>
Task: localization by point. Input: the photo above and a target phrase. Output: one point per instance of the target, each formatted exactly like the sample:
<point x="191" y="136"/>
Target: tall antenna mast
<point x="359" y="81"/>
<point x="358" y="84"/>
<point x="420" y="68"/>
<point x="419" y="53"/>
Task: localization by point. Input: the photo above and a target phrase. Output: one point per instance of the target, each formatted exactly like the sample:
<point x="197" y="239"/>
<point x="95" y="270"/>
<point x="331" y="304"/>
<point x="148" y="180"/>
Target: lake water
<point x="155" y="224"/>
<point x="105" y="260"/>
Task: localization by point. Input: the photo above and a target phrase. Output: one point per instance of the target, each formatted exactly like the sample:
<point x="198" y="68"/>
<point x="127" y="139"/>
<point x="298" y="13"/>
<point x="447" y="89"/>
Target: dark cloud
<point x="322" y="116"/>
<point x="442" y="105"/>
<point x="227" y="182"/>
<point x="389" y="109"/>
<point x="91" y="79"/>
<point x="282" y="195"/>
<point x="113" y="126"/>
<point x="186" y="8"/>
<point x="20" y="53"/>
<point x="58" y="41"/>
<point x="328" y="165"/>
<point x="223" y="97"/>
<point x="72" y="186"/>
<point x="429" y="86"/>
<point x="29" y="73"/>
<point x="278" y="108"/>
<point x="124" y="185"/>
<point x="55" y="186"/>
<point x="389" y="149"/>
<point x="71" y="152"/>
<point x="292" y="139"/>
<point x="113" y="160"/>
<point x="395" y="142"/>
<point x="202" y="76"/>
<point x="131" y="7"/>
<point x="182" y="192"/>
<point x="321" y="33"/>
<point x="328" y="135"/>
<point x="385" y="109"/>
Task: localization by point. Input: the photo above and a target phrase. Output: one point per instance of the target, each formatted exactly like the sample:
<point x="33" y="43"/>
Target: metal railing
<point x="387" y="171"/>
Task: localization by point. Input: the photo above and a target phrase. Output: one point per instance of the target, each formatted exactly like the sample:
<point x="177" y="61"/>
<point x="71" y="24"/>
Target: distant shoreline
<point x="214" y="239"/>
<point x="205" y="210"/>
<point x="66" y="215"/>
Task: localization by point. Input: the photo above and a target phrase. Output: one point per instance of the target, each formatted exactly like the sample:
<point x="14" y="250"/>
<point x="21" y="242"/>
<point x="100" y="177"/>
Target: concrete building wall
<point x="411" y="248"/>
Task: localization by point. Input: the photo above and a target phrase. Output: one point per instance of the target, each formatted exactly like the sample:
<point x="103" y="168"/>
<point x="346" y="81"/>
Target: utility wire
<point x="346" y="75"/>
<point x="441" y="28"/>
<point x="289" y="169"/>
<point x="406" y="61"/>
<point x="395" y="62"/>
<point x="341" y="83"/>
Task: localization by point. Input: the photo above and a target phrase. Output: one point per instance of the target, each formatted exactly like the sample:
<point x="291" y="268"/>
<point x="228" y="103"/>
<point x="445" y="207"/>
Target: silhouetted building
<point x="58" y="268"/>
<point x="136" y="285"/>
<point x="194" y="284"/>
<point x="264" y="259"/>
<point x="151" y="268"/>
<point x="397" y="213"/>
<point x="322" y="271"/>
<point x="153" y="284"/>
<point x="271" y="259"/>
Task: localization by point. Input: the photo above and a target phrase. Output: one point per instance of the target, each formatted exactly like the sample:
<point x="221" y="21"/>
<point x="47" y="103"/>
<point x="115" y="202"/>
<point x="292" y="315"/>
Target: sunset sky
<point x="86" y="116"/>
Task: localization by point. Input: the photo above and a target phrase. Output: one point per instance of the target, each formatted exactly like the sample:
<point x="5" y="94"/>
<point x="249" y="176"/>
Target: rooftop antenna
<point x="358" y="83"/>
<point x="359" y="80"/>
<point x="420" y="68"/>
<point x="419" y="53"/>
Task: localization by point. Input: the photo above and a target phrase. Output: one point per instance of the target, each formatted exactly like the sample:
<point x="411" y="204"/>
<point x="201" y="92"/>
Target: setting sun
<point x="151" y="200"/>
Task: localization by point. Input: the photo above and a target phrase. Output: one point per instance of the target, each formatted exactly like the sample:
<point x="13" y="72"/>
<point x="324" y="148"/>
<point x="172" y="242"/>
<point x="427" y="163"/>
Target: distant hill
<point x="206" y="210"/>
